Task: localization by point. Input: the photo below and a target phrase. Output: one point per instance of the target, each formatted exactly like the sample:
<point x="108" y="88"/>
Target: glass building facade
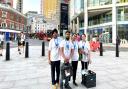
<point x="109" y="19"/>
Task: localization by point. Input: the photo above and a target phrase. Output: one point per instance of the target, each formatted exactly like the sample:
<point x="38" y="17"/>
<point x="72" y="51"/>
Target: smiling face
<point x="74" y="37"/>
<point x="83" y="37"/>
<point x="55" y="34"/>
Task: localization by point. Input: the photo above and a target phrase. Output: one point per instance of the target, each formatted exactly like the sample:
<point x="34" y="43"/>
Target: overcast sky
<point x="30" y="5"/>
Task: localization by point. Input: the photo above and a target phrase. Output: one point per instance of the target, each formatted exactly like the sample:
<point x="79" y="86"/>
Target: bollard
<point x="8" y="51"/>
<point x="43" y="48"/>
<point x="101" y="49"/>
<point x="27" y="50"/>
<point x="117" y="50"/>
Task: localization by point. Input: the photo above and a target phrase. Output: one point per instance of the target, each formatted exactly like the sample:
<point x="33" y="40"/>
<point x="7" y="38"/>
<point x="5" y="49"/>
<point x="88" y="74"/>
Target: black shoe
<point x="68" y="87"/>
<point x="0" y="54"/>
<point x="82" y="83"/>
<point x="75" y="83"/>
<point x="18" y="49"/>
<point x="20" y="53"/>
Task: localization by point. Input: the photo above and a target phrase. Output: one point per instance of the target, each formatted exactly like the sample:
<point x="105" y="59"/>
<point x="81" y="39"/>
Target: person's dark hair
<point x="67" y="32"/>
<point x="54" y="30"/>
<point x="74" y="34"/>
<point x="84" y="35"/>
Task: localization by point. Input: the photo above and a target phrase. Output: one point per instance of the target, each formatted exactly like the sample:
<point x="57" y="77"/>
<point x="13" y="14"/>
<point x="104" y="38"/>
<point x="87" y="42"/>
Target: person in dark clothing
<point x="19" y="42"/>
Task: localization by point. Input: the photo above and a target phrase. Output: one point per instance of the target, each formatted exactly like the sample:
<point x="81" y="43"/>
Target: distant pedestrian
<point x="1" y="43"/>
<point x="23" y="40"/>
<point x="19" y="42"/>
<point x="54" y="58"/>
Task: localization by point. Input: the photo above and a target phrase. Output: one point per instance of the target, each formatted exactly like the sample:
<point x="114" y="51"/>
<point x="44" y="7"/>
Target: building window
<point x="17" y="27"/>
<point x="11" y="16"/>
<point x="122" y="14"/>
<point x="3" y="25"/>
<point x="4" y="14"/>
<point x="11" y="25"/>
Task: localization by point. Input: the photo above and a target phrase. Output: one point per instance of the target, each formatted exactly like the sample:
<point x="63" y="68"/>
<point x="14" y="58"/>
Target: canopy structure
<point x="9" y="30"/>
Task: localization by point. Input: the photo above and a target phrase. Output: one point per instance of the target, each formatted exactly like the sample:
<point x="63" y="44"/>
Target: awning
<point x="8" y="30"/>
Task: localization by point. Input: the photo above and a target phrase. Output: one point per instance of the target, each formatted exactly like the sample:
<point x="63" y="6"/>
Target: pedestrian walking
<point x="75" y="57"/>
<point x="67" y="50"/>
<point x="19" y="42"/>
<point x="1" y="43"/>
<point x="54" y="58"/>
<point x="84" y="47"/>
<point x="23" y="40"/>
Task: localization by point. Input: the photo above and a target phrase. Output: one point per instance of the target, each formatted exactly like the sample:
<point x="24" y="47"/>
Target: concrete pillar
<point x="85" y="18"/>
<point x="114" y="22"/>
<point x="77" y="24"/>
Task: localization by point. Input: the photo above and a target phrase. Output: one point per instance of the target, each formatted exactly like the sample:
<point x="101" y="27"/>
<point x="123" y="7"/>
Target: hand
<point x="90" y="61"/>
<point x="67" y="59"/>
<point x="49" y="61"/>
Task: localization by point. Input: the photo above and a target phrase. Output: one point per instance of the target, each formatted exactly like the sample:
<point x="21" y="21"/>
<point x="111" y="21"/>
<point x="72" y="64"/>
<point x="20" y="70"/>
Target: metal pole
<point x="117" y="47"/>
<point x="8" y="51"/>
<point x="27" y="50"/>
<point x="43" y="48"/>
<point x="101" y="49"/>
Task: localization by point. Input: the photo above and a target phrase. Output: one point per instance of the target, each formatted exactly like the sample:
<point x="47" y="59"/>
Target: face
<point x="83" y="37"/>
<point x="55" y="34"/>
<point x="74" y="37"/>
<point x="67" y="36"/>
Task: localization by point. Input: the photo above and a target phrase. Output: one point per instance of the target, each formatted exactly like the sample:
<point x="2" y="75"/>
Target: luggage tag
<point x="67" y="73"/>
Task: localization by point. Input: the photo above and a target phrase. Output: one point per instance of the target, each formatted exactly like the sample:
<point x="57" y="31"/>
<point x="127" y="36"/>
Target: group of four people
<point x="67" y="51"/>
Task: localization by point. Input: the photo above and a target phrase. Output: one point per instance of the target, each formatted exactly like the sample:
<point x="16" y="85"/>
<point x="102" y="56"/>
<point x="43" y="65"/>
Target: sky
<point x="30" y="5"/>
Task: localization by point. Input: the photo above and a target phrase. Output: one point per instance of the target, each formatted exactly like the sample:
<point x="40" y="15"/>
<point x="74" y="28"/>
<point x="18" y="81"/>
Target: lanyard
<point x="67" y="45"/>
<point x="56" y="42"/>
<point x="83" y="45"/>
<point x="74" y="43"/>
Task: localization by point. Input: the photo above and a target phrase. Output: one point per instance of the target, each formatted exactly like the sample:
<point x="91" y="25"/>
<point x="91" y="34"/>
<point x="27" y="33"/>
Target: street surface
<point x="34" y="72"/>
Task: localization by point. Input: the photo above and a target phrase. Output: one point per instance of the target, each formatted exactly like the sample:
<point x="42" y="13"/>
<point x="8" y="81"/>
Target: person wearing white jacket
<point x="1" y="43"/>
<point x="84" y="47"/>
<point x="75" y="57"/>
<point x="54" y="58"/>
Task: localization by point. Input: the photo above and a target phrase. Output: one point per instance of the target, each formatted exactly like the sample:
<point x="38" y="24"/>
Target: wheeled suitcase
<point x="89" y="79"/>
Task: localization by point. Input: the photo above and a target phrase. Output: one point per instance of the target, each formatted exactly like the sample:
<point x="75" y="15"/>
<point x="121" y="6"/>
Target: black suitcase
<point x="89" y="79"/>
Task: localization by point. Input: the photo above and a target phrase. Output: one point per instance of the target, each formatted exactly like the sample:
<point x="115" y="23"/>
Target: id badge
<point x="74" y="46"/>
<point x="67" y="46"/>
<point x="57" y="45"/>
<point x="82" y="47"/>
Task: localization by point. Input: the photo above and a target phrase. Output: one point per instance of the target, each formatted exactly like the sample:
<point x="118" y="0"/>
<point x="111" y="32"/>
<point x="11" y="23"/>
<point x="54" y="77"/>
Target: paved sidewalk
<point x="34" y="72"/>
